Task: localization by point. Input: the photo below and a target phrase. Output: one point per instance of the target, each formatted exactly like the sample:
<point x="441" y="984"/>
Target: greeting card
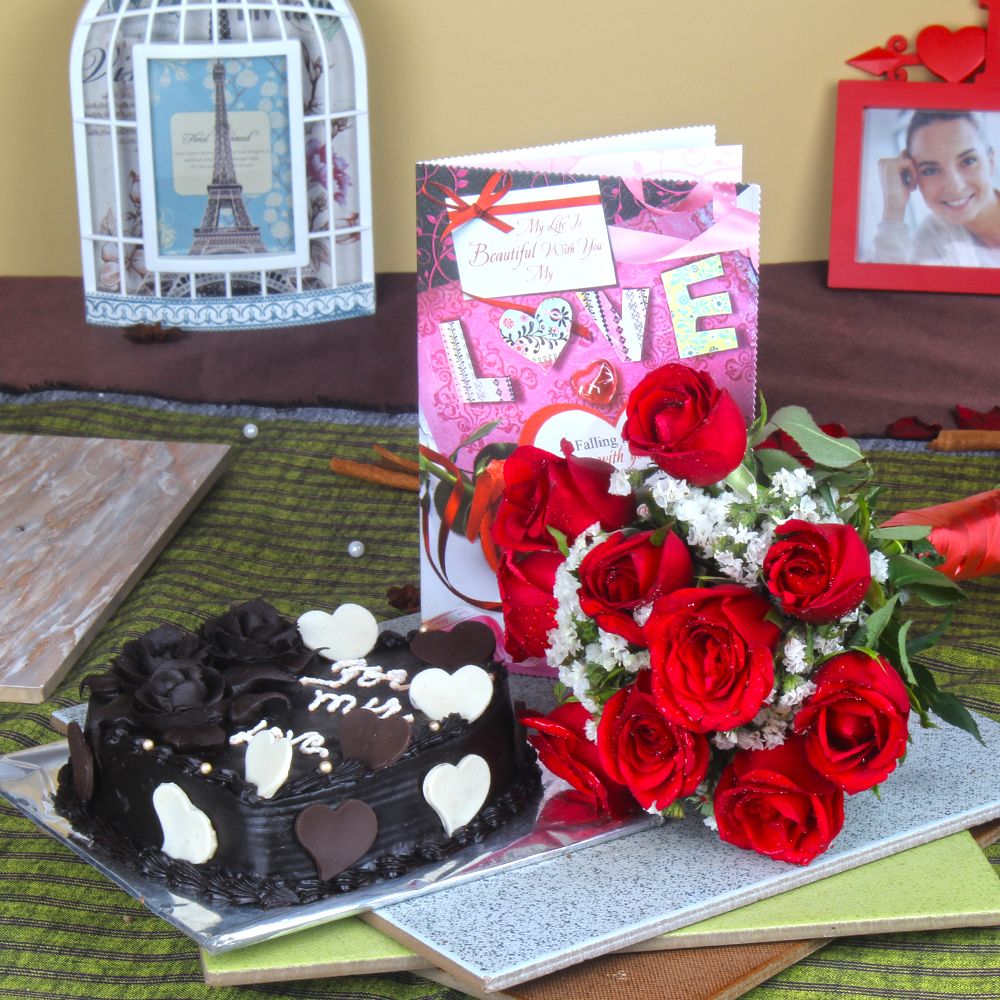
<point x="550" y="281"/>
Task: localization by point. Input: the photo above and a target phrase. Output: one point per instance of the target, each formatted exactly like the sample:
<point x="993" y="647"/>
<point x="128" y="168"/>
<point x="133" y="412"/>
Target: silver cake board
<point x="517" y="925"/>
<point x="28" y="781"/>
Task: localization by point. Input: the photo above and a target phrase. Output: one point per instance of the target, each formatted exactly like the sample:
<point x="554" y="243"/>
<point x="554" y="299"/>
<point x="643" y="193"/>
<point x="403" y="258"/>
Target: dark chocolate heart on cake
<point x="374" y="741"/>
<point x="83" y="762"/>
<point x="467" y="642"/>
<point x="336" y="838"/>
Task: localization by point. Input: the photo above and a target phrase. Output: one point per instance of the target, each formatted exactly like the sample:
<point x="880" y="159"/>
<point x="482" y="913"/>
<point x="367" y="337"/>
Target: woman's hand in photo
<point x="899" y="181"/>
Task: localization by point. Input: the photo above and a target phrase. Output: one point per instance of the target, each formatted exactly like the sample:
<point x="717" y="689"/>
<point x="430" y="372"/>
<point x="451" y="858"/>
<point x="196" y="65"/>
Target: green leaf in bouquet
<point x="826" y="492"/>
<point x="944" y="705"/>
<point x="923" y="581"/>
<point x="875" y="597"/>
<point x="901" y="533"/>
<point x="756" y="432"/>
<point x="772" y="460"/>
<point x="948" y="708"/>
<point x="904" y="660"/>
<point x="862" y="519"/>
<point x="836" y="453"/>
<point x="562" y="542"/>
<point x="878" y="621"/>
<point x="930" y="639"/>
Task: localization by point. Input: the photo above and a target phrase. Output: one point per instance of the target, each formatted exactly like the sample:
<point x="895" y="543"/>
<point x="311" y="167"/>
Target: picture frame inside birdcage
<point x="223" y="162"/>
<point x="217" y="130"/>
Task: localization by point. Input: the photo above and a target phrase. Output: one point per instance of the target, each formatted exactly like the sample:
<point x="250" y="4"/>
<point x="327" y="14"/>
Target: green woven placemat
<point x="277" y="525"/>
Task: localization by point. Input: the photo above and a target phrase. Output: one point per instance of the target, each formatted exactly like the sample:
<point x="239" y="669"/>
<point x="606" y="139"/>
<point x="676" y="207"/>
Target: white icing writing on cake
<point x="310" y="743"/>
<point x="361" y="673"/>
<point x="335" y="700"/>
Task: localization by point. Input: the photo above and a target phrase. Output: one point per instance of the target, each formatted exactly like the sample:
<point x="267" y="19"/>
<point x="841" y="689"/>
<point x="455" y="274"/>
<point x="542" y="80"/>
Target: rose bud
<point x="774" y="802"/>
<point x="655" y="759"/>
<point x="855" y="722"/>
<point x="711" y="656"/>
<point x="817" y="572"/>
<point x="542" y="490"/>
<point x="562" y="745"/>
<point x="690" y="427"/>
<point x="529" y="608"/>
<point x="627" y="571"/>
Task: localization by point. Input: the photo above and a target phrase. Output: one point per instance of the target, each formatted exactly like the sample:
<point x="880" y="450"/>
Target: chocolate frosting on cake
<point x="182" y="710"/>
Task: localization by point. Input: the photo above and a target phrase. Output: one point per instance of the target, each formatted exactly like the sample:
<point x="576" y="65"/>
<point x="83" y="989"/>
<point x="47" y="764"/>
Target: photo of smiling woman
<point x="929" y="188"/>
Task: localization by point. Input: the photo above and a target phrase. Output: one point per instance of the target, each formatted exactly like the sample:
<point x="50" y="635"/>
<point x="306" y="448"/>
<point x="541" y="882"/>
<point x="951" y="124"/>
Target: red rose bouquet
<point x="725" y="616"/>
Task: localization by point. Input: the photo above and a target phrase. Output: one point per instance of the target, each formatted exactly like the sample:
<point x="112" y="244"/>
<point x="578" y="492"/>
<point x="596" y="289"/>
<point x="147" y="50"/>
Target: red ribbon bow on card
<point x="460" y="211"/>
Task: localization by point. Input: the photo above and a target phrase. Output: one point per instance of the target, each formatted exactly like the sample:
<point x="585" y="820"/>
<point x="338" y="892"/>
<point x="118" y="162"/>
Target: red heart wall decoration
<point x="952" y="55"/>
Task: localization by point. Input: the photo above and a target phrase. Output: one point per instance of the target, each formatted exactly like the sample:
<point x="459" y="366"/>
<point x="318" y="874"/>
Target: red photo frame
<point x="870" y="118"/>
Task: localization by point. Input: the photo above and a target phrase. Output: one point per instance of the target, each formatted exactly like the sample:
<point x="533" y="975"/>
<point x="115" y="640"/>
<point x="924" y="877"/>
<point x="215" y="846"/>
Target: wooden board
<point x="82" y="519"/>
<point x="723" y="973"/>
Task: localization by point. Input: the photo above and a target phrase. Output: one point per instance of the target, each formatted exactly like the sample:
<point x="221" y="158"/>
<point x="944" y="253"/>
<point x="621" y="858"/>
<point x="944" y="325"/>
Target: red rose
<point x="817" y="572"/>
<point x="626" y="571"/>
<point x="690" y="427"/>
<point x="543" y="490"/>
<point x="529" y="608"/>
<point x="657" y="760"/>
<point x="710" y="651"/>
<point x="564" y="749"/>
<point x="855" y="721"/>
<point x="775" y="803"/>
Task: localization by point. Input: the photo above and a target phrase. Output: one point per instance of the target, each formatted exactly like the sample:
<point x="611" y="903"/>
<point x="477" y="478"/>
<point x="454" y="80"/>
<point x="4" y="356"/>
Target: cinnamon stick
<point x="375" y="474"/>
<point x="966" y="441"/>
<point x="390" y="460"/>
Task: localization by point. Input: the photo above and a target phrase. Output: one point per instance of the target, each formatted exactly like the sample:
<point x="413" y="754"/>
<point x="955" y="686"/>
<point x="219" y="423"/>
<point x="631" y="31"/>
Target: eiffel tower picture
<point x="225" y="227"/>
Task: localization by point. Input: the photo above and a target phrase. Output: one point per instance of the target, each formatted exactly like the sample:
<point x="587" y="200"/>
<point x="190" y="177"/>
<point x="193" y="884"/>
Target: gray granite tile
<point x="515" y="926"/>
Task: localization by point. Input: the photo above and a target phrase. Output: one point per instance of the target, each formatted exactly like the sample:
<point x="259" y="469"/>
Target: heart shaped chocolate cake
<point x="248" y="763"/>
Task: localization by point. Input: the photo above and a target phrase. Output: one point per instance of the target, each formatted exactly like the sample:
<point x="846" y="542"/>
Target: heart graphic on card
<point x="539" y="338"/>
<point x="952" y="55"/>
<point x="596" y="383"/>
<point x="591" y="434"/>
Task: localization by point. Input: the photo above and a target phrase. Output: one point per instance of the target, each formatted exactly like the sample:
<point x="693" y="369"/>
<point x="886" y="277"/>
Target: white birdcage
<point x="223" y="163"/>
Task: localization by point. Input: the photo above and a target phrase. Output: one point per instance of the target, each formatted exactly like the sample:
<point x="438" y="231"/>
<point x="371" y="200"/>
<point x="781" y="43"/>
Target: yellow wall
<point x="459" y="76"/>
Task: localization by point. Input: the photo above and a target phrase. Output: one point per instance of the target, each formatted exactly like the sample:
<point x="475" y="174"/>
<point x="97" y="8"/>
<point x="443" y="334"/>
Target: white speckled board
<point x="505" y="929"/>
<point x="81" y="520"/>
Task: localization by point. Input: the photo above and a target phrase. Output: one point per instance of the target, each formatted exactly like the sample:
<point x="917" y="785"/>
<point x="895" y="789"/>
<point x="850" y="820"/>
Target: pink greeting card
<point x="549" y="282"/>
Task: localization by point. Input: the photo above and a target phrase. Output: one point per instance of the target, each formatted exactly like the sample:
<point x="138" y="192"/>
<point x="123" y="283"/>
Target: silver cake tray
<point x="28" y="781"/>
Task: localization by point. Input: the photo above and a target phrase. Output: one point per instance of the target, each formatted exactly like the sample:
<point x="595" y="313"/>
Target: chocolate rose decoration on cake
<point x="254" y="633"/>
<point x="184" y="702"/>
<point x="141" y="658"/>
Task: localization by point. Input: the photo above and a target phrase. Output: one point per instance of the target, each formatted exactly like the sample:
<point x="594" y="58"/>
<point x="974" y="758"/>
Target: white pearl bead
<point x="250" y="431"/>
<point x="356" y="549"/>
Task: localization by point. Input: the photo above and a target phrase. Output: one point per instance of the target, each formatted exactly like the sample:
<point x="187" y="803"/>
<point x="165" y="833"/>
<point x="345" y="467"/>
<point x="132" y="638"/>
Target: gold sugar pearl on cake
<point x="148" y="744"/>
<point x="325" y="766"/>
<point x="205" y="767"/>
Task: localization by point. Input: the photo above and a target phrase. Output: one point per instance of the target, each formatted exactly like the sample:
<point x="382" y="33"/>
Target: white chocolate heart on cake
<point x="188" y="834"/>
<point x="350" y="633"/>
<point x="467" y="692"/>
<point x="456" y="792"/>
